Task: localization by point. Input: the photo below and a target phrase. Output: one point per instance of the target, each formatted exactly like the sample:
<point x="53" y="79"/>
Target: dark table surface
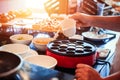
<point x="40" y="73"/>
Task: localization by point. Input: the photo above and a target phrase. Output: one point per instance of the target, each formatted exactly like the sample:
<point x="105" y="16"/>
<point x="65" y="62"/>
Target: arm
<point x="85" y="72"/>
<point x="114" y="76"/>
<point x="106" y="22"/>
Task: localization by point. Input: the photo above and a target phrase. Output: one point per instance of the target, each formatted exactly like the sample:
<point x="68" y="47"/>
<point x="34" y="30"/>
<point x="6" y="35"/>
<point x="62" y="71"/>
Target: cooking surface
<point x="71" y="47"/>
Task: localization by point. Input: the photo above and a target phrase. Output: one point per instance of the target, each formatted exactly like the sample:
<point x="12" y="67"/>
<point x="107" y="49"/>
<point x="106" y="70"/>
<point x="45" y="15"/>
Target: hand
<point x="81" y="19"/>
<point x="86" y="7"/>
<point x="85" y="72"/>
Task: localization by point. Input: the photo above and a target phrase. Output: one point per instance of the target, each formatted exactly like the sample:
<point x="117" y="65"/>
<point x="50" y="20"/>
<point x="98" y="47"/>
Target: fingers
<point x="86" y="72"/>
<point x="80" y="19"/>
<point x="81" y="72"/>
<point x="75" y="16"/>
<point x="83" y="66"/>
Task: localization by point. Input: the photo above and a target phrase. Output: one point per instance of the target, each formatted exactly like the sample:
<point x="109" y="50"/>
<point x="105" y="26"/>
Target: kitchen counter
<point x="66" y="74"/>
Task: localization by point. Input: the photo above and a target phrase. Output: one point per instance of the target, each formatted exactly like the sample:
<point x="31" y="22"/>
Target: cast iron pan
<point x="9" y="63"/>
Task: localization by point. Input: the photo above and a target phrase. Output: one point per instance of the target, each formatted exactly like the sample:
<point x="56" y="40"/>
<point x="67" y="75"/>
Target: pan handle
<point x="23" y="72"/>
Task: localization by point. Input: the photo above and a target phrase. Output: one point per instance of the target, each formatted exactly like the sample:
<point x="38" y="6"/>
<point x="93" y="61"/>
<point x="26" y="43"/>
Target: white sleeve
<point x="116" y="60"/>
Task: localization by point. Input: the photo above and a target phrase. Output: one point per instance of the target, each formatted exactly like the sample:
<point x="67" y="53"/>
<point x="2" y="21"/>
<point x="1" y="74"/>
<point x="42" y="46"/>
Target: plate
<point x="96" y="37"/>
<point x="47" y="25"/>
<point x="18" y="49"/>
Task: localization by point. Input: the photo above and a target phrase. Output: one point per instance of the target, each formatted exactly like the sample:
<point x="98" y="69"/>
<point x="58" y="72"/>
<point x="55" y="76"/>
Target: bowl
<point x="19" y="49"/>
<point x="21" y="38"/>
<point x="40" y="43"/>
<point x="42" y="60"/>
<point x="93" y="36"/>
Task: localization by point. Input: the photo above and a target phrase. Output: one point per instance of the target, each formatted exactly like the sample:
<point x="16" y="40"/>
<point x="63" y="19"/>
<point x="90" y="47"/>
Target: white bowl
<point x="19" y="49"/>
<point x="96" y="37"/>
<point x="42" y="60"/>
<point x="40" y="43"/>
<point x="21" y="38"/>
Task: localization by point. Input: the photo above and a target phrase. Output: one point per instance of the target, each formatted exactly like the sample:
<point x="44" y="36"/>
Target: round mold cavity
<point x="55" y="44"/>
<point x="88" y="50"/>
<point x="71" y="48"/>
<point x="73" y="40"/>
<point x="79" y="51"/>
<point x="87" y="47"/>
<point x="65" y="41"/>
<point x="79" y="46"/>
<point x="71" y="44"/>
<point x="70" y="53"/>
<point x="79" y="42"/>
<point x="62" y="50"/>
<point x="54" y="48"/>
<point x="63" y="46"/>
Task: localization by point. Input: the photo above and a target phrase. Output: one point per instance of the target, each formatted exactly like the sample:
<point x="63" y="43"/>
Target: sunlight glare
<point x="35" y="3"/>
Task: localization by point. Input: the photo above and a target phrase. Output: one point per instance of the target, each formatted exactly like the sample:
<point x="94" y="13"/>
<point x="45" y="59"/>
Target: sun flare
<point x="35" y="3"/>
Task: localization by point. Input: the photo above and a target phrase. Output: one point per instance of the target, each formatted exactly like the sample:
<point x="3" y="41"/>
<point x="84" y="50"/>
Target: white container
<point x="41" y="43"/>
<point x="21" y="38"/>
<point x="19" y="49"/>
<point x="42" y="60"/>
<point x="68" y="27"/>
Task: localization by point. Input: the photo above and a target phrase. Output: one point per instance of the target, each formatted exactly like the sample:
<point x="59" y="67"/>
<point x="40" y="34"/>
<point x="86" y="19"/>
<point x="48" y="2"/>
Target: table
<point x="103" y="69"/>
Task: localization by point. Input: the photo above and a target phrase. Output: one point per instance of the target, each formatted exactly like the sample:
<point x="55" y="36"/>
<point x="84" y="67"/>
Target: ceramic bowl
<point x="40" y="43"/>
<point x="42" y="60"/>
<point x="21" y="38"/>
<point x="19" y="49"/>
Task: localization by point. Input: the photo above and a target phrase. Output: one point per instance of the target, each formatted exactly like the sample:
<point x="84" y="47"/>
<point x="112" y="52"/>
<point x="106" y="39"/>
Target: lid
<point x="71" y="47"/>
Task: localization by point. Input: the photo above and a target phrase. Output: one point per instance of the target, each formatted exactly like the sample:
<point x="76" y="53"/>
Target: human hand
<point x="85" y="72"/>
<point x="81" y="19"/>
<point x="87" y="7"/>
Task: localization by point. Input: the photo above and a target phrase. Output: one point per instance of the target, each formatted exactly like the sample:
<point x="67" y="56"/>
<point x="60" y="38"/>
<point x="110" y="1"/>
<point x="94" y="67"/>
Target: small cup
<point x="68" y="27"/>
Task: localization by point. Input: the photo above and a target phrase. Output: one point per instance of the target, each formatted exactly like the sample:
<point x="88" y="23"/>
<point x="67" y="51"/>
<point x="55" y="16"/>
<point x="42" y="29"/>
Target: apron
<point x="116" y="60"/>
